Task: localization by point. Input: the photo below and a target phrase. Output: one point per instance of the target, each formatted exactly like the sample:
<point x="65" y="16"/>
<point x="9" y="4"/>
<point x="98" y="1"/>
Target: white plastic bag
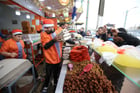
<point x="109" y="57"/>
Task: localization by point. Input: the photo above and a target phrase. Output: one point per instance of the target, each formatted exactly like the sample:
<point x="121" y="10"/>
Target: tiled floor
<point x="129" y="87"/>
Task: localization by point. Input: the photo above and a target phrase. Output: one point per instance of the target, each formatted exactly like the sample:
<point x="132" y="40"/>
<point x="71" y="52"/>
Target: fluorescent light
<point x="17" y="12"/>
<point x="53" y="15"/>
<point x="28" y="16"/>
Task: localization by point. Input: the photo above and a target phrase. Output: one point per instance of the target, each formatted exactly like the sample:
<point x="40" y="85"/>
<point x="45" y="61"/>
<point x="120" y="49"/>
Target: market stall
<point x="73" y="79"/>
<point x="120" y="68"/>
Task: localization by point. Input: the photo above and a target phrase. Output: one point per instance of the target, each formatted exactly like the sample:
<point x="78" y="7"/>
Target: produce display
<point x="93" y="81"/>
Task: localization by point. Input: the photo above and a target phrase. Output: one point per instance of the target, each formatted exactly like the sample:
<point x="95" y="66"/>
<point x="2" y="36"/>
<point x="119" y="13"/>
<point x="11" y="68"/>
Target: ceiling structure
<point x="60" y="9"/>
<point x="10" y="4"/>
<point x="55" y="4"/>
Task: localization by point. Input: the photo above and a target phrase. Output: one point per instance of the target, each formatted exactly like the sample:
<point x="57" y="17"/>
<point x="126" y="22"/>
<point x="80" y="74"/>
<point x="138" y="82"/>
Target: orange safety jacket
<point x="54" y="53"/>
<point x="1" y="40"/>
<point x="11" y="46"/>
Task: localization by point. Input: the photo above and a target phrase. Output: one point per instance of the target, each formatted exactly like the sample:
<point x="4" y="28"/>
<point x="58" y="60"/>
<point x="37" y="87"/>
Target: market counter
<point x="12" y="70"/>
<point x="126" y="81"/>
<point x="117" y="74"/>
<point x="131" y="72"/>
<point x="61" y="80"/>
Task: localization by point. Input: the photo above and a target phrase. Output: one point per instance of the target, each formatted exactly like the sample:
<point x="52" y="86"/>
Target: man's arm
<point x="7" y="54"/>
<point x="70" y="41"/>
<point x="49" y="44"/>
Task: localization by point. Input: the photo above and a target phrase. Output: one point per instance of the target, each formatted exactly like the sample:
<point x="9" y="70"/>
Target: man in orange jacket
<point x="14" y="47"/>
<point x="52" y="49"/>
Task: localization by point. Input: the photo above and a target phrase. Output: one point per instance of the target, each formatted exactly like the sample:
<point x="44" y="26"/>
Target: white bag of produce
<point x="65" y="56"/>
<point x="66" y="50"/>
<point x="109" y="57"/>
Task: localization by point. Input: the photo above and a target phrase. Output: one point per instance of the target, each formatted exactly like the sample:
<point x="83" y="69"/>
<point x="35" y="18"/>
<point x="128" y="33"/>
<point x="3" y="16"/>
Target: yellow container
<point x="107" y="48"/>
<point x="127" y="61"/>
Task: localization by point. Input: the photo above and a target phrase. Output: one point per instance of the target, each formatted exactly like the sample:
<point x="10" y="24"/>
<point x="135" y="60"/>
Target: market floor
<point x="41" y="72"/>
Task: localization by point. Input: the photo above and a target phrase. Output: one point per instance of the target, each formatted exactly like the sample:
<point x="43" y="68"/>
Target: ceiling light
<point x="49" y="7"/>
<point x="28" y="16"/>
<point x="17" y="12"/>
<point x="41" y="0"/>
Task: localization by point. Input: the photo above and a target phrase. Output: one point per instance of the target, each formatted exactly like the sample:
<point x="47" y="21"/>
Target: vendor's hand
<point x="77" y="44"/>
<point x="58" y="38"/>
<point x="13" y="55"/>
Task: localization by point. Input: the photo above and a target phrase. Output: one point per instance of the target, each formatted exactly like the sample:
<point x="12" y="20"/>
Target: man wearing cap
<point x="14" y="47"/>
<point x="52" y="49"/>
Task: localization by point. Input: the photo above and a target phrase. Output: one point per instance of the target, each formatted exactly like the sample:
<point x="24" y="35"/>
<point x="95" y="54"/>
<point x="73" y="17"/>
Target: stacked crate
<point x="27" y="29"/>
<point x="4" y="31"/>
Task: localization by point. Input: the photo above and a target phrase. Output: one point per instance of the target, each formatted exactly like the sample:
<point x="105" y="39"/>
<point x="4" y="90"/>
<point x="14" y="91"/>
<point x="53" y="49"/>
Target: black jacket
<point x="129" y="39"/>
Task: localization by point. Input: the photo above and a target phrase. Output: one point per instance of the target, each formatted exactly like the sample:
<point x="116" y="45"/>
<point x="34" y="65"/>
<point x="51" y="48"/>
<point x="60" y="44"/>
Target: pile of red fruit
<point x="79" y="53"/>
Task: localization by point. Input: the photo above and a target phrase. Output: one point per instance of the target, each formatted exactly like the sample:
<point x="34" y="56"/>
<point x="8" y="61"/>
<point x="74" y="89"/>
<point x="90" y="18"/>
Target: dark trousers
<point x="52" y="71"/>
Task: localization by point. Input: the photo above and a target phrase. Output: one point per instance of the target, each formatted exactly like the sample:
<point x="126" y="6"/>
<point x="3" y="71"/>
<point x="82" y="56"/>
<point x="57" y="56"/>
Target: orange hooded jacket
<point x="11" y="46"/>
<point x="54" y="53"/>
